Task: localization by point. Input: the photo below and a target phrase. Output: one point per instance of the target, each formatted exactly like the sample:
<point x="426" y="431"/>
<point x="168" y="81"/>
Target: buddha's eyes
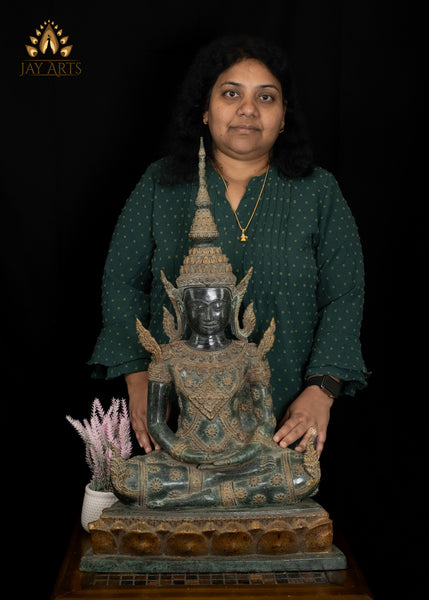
<point x="217" y="305"/>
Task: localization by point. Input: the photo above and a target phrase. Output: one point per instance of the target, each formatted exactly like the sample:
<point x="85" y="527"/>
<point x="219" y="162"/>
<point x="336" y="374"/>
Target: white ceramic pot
<point x="93" y="504"/>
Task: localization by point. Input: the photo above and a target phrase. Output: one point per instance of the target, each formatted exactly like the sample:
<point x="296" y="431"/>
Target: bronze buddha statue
<point x="222" y="453"/>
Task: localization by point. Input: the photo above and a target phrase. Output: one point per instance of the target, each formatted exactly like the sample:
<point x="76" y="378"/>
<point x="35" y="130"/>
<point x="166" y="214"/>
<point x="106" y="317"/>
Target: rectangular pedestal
<point x="314" y="561"/>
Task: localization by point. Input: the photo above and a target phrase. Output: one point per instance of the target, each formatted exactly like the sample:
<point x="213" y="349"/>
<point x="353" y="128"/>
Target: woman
<point x="274" y="212"/>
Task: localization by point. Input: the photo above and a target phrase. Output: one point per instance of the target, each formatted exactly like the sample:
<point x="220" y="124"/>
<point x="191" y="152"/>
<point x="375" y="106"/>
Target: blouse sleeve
<point x="336" y="347"/>
<point x="126" y="286"/>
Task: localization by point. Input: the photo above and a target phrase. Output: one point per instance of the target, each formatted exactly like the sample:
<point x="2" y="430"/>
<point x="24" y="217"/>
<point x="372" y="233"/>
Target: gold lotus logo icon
<point x="49" y="38"/>
<point x="49" y="51"/>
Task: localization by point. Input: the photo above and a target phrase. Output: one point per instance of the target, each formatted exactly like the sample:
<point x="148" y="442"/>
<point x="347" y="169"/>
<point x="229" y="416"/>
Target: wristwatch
<point x="328" y="384"/>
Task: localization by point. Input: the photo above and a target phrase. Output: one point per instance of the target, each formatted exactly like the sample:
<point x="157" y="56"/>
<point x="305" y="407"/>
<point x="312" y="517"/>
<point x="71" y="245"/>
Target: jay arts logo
<point x="49" y="53"/>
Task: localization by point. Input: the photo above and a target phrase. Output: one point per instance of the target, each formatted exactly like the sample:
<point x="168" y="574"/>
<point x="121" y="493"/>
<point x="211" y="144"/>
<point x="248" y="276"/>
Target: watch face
<point x="330" y="385"/>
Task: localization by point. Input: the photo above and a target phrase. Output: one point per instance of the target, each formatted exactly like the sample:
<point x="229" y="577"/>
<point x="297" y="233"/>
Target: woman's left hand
<point x="310" y="409"/>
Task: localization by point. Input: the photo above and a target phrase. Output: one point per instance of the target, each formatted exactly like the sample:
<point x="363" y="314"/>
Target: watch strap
<point x="326" y="383"/>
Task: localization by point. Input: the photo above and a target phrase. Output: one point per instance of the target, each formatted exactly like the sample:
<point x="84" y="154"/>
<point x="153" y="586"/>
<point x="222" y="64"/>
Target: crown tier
<point x="206" y="267"/>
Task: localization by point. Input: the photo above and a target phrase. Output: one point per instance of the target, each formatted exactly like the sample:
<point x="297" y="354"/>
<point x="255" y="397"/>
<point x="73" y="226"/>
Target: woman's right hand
<point x="137" y="384"/>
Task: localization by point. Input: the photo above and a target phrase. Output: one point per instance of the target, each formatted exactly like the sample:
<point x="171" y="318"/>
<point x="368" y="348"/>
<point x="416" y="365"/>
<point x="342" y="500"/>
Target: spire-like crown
<point x="205" y="265"/>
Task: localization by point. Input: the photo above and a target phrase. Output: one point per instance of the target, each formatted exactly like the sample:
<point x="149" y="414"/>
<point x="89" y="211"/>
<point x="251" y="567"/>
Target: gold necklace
<point x="243" y="236"/>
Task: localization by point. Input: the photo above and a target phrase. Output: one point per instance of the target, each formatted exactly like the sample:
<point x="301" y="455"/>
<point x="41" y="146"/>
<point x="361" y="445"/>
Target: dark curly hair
<point x="292" y="153"/>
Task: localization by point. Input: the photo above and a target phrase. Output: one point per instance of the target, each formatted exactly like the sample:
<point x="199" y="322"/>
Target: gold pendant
<point x="243" y="237"/>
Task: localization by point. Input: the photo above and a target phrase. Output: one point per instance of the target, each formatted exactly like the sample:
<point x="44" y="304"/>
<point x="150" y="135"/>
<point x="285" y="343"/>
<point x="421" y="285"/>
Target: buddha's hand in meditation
<point x="189" y="455"/>
<point x="241" y="456"/>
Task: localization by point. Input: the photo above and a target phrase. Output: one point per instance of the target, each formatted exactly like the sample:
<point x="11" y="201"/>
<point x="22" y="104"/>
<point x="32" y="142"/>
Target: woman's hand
<point x="137" y="384"/>
<point x="310" y="409"/>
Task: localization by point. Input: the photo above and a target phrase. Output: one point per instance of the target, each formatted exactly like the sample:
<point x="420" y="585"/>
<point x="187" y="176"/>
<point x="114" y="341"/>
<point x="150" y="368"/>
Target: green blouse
<point x="305" y="250"/>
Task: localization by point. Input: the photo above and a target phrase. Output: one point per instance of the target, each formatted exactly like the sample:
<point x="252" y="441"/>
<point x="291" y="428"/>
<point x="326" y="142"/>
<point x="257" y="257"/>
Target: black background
<point x="72" y="151"/>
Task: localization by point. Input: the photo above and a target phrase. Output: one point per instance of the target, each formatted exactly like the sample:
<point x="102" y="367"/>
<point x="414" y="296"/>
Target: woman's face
<point x="246" y="110"/>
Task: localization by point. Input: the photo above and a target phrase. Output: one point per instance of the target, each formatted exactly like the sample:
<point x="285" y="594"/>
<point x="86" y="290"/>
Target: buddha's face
<point x="208" y="310"/>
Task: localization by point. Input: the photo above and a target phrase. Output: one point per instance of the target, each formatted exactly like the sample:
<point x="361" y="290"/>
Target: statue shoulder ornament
<point x="259" y="371"/>
<point x="267" y="341"/>
<point x="158" y="367"/>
